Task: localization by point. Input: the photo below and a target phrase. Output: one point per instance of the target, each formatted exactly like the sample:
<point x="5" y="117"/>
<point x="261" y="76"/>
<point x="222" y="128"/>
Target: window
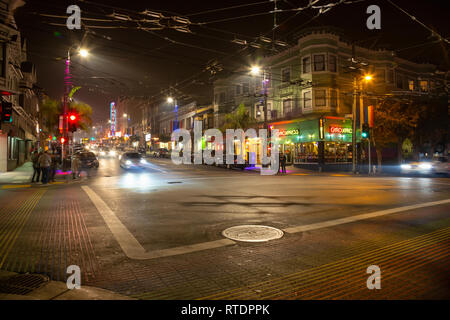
<point x="332" y="63"/>
<point x="333" y="99"/>
<point x="2" y="59"/>
<point x="286" y="75"/>
<point x="269" y="80"/>
<point x="380" y="75"/>
<point x="319" y="62"/>
<point x="411" y="85"/>
<point x="423" y="85"/>
<point x="320" y="97"/>
<point x="399" y="81"/>
<point x="238" y="89"/>
<point x="390" y="76"/>
<point x="245" y="88"/>
<point x="307" y="100"/>
<point x="287" y="106"/>
<point x="306" y="63"/>
<point x="222" y="97"/>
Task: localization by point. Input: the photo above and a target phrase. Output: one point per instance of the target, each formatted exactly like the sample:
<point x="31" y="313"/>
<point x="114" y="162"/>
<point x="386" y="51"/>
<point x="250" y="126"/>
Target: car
<point x="88" y="160"/>
<point x="132" y="160"/>
<point x="434" y="166"/>
<point x="161" y="153"/>
<point x="107" y="153"/>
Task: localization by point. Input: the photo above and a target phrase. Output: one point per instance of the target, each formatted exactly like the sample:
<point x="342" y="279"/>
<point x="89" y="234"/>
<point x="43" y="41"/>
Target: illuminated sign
<point x="118" y="134"/>
<point x="334" y="129"/>
<point x="148" y="137"/>
<point x="113" y="118"/>
<point x="289" y="132"/>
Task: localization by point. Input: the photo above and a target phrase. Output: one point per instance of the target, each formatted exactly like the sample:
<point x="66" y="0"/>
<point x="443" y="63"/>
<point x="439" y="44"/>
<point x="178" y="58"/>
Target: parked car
<point x="161" y="153"/>
<point x="132" y="160"/>
<point x="88" y="159"/>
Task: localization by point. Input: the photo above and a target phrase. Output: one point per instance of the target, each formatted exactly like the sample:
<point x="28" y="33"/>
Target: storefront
<point x="326" y="140"/>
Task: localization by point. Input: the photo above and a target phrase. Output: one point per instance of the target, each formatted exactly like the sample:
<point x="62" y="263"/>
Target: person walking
<point x="283" y="163"/>
<point x="53" y="166"/>
<point x="75" y="167"/>
<point x="36" y="167"/>
<point x="44" y="162"/>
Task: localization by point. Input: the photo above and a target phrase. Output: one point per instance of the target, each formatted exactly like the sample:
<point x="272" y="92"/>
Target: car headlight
<point x="406" y="166"/>
<point x="112" y="153"/>
<point x="143" y="161"/>
<point x="128" y="162"/>
<point x="102" y="153"/>
<point x="425" y="166"/>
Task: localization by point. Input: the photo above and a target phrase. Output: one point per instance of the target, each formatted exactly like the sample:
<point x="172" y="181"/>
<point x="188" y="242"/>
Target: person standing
<point x="283" y="163"/>
<point x="75" y="167"/>
<point x="44" y="162"/>
<point x="36" y="168"/>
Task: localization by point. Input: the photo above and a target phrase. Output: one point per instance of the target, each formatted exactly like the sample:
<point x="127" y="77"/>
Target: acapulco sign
<point x="335" y="129"/>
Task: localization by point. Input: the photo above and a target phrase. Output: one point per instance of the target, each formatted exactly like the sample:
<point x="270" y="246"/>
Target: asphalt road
<point x="157" y="233"/>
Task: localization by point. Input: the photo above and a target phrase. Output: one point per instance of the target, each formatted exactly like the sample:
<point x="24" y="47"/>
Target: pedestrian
<point x="53" y="166"/>
<point x="283" y="163"/>
<point x="44" y="162"/>
<point x="75" y="167"/>
<point x="36" y="169"/>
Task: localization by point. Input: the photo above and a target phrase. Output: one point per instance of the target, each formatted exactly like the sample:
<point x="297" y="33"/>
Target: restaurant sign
<point x="288" y="132"/>
<point x="339" y="130"/>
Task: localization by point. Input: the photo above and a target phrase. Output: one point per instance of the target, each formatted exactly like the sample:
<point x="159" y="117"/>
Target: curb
<point x="57" y="290"/>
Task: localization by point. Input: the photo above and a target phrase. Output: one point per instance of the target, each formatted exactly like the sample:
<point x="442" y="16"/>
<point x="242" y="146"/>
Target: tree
<point x="240" y="119"/>
<point x="49" y="115"/>
<point x="395" y="120"/>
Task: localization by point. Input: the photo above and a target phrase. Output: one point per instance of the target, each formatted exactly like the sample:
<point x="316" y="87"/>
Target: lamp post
<point x="67" y="87"/>
<point x="171" y="100"/>
<point x="256" y="71"/>
<point x="357" y="86"/>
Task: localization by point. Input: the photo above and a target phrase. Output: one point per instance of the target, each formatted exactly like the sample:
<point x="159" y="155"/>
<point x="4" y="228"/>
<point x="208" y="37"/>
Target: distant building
<point x="17" y="86"/>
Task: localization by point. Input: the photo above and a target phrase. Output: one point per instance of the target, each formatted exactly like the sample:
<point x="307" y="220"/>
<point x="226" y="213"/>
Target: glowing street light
<point x="368" y="77"/>
<point x="84" y="53"/>
<point x="170" y="100"/>
<point x="255" y="70"/>
<point x="125" y="115"/>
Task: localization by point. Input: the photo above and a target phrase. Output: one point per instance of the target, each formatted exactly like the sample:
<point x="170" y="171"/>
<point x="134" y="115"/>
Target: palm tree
<point x="240" y="119"/>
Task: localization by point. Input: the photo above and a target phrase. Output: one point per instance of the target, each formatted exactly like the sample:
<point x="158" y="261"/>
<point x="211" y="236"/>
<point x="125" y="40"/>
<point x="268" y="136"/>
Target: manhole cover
<point x="22" y="284"/>
<point x="252" y="233"/>
<point x="172" y="182"/>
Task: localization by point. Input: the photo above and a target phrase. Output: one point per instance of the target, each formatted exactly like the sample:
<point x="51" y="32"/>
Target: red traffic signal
<point x="72" y="117"/>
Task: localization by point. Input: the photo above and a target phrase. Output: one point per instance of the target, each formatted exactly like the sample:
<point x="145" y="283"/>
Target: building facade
<point x="17" y="86"/>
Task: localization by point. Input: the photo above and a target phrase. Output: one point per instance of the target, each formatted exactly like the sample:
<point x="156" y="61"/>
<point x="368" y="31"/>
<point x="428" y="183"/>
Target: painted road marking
<point x="129" y="244"/>
<point x="340" y="175"/>
<point x="332" y="223"/>
<point x="15" y="186"/>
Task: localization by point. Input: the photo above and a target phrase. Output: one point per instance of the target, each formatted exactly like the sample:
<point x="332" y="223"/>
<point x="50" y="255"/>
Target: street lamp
<point x="171" y="100"/>
<point x="125" y="115"/>
<point x="84" y="53"/>
<point x="256" y="71"/>
<point x="368" y="77"/>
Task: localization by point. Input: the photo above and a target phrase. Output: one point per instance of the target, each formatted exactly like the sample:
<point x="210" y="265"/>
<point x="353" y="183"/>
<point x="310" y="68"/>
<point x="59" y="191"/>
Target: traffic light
<point x="73" y="121"/>
<point x="6" y="112"/>
<point x="365" y="134"/>
<point x="63" y="140"/>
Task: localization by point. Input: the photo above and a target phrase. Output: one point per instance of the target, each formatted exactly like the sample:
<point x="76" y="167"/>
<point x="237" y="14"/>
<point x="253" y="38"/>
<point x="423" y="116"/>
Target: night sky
<point x="130" y="62"/>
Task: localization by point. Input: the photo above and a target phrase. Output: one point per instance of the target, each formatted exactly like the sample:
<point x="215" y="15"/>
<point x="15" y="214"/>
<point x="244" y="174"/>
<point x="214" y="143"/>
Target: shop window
<point x="411" y="85"/>
<point x="332" y="63"/>
<point x="320" y="97"/>
<point x="306" y="64"/>
<point x="286" y="75"/>
<point x="423" y="85"/>
<point x="307" y="103"/>
<point x="319" y="62"/>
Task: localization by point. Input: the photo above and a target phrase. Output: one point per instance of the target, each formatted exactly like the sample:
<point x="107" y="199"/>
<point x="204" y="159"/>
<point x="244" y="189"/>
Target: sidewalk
<point x="14" y="286"/>
<point x="24" y="173"/>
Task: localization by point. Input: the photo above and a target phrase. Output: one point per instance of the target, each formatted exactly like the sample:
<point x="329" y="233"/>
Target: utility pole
<point x="265" y="99"/>
<point x="354" y="125"/>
